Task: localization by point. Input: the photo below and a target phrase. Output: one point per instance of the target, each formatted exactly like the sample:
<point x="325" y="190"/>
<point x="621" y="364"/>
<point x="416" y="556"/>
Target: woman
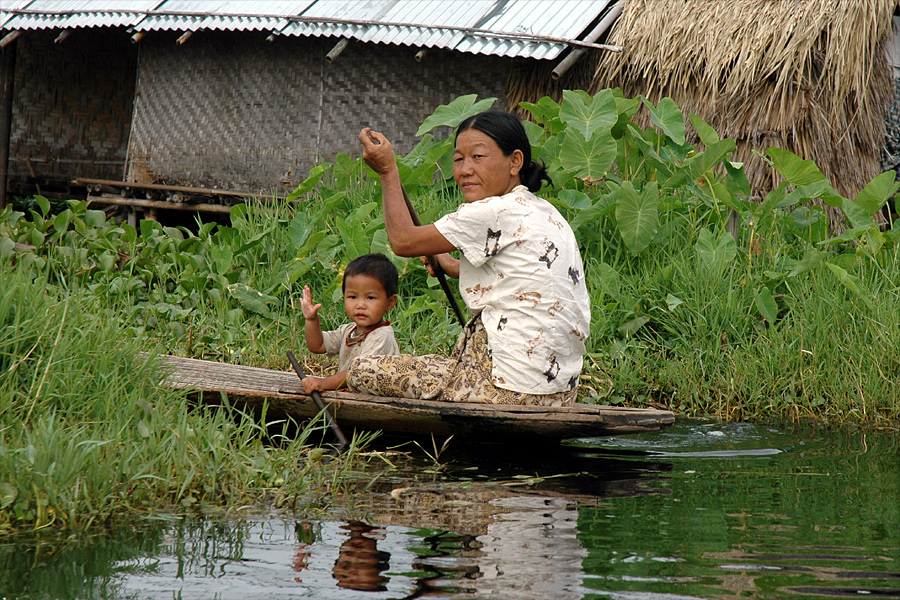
<point x="520" y="273"/>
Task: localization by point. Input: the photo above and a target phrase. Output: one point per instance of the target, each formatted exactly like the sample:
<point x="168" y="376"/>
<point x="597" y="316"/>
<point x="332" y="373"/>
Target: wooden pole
<point x="436" y="267"/>
<point x="317" y="398"/>
<point x="157" y="204"/>
<point x="7" y="79"/>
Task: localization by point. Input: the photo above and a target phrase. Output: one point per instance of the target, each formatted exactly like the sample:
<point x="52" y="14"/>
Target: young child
<point x="370" y="291"/>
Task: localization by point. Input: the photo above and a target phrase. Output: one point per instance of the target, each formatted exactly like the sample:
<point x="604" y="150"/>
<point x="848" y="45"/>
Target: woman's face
<point x="480" y="168"/>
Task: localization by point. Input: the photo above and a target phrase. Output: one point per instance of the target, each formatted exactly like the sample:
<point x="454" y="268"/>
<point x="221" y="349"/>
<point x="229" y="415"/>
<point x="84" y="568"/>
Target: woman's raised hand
<point x="377" y="151"/>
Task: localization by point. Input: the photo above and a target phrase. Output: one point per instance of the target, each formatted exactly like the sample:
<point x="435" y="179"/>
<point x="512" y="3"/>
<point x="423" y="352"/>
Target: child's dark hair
<point x="507" y="130"/>
<point x="375" y="265"/>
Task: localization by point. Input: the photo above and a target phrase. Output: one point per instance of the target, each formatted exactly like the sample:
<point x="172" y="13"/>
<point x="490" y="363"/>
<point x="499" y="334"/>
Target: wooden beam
<point x="165" y="188"/>
<point x="156" y="204"/>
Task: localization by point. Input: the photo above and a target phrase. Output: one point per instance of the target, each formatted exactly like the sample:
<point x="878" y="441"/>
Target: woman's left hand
<point x="377" y="151"/>
<point x="448" y="264"/>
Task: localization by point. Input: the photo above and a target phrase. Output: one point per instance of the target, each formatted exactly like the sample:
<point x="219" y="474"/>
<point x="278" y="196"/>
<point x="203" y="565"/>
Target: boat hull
<point x="282" y="396"/>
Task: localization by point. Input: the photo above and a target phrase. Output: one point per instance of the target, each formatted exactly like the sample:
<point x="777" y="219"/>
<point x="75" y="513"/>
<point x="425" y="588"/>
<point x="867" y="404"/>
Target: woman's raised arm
<point x="406" y="238"/>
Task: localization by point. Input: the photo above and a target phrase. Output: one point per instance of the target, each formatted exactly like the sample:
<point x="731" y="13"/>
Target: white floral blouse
<point x="520" y="267"/>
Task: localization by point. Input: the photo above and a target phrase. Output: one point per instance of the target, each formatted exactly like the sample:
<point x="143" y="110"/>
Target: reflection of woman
<point x="520" y="272"/>
<point x="360" y="564"/>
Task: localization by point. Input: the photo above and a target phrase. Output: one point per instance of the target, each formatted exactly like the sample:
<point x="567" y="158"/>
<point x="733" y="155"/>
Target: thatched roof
<point x="809" y="76"/>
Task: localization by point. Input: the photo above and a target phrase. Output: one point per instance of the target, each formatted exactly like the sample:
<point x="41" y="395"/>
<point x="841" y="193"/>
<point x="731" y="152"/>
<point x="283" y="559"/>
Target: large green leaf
<point x="804" y="193"/>
<point x="574" y="199"/>
<point x="858" y="216"/>
<point x="588" y="118"/>
<point x="8" y="494"/>
<point x="851" y="282"/>
<point x="380" y="243"/>
<point x="700" y="163"/>
<point x="874" y="240"/>
<point x="353" y="235"/>
<point x="812" y="259"/>
<point x="451" y="115"/>
<point x="849" y="235"/>
<point x="311" y="181"/>
<point x="707" y="134"/>
<point x="588" y="158"/>
<point x="714" y="253"/>
<point x="668" y="117"/>
<point x="252" y="299"/>
<point x="255" y="240"/>
<point x="793" y="168"/>
<point x="637" y="215"/>
<point x="94" y="218"/>
<point x="6" y="246"/>
<point x="221" y="259"/>
<point x="736" y="178"/>
<point x="766" y="304"/>
<point x="763" y="214"/>
<point x="603" y="206"/>
<point x="878" y="191"/>
<point x="631" y="327"/>
<point x="607" y="278"/>
<point x="545" y="110"/>
<point x="648" y="153"/>
<point x="299" y="230"/>
<point x="43" y="203"/>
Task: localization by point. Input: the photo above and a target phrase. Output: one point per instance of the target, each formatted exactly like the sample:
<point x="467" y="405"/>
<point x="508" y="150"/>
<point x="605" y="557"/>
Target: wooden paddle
<point x="438" y="271"/>
<point x="317" y="398"/>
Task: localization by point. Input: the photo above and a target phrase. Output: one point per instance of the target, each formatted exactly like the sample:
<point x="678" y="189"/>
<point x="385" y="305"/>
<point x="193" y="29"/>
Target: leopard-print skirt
<point x="463" y="377"/>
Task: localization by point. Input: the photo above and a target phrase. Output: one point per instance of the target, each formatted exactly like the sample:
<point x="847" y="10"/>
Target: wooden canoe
<point x="250" y="388"/>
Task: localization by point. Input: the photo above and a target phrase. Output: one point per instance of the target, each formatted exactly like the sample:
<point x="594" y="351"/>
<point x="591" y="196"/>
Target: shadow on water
<point x="700" y="510"/>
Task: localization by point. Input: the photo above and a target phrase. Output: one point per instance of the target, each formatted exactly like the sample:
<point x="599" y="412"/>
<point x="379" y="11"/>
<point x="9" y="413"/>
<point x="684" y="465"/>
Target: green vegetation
<point x="779" y="321"/>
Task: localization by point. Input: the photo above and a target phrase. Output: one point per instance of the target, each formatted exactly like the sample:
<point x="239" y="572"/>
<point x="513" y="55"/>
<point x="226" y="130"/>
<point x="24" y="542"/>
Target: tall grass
<point x="87" y="434"/>
<point x="704" y="349"/>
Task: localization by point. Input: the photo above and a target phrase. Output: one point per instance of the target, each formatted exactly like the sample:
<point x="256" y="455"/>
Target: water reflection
<point x="360" y="563"/>
<point x="697" y="511"/>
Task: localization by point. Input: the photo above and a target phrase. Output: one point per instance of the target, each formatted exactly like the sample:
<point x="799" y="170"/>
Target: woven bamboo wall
<point x="232" y="111"/>
<point x="72" y="104"/>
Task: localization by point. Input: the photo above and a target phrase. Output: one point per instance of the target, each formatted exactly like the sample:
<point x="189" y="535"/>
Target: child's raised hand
<point x="310" y="310"/>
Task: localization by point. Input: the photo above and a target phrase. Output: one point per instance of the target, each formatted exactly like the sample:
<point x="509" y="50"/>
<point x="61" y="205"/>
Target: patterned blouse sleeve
<point x="474" y="230"/>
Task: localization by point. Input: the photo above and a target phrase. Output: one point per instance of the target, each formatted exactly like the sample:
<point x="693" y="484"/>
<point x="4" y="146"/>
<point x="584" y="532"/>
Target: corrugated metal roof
<point x="534" y="28"/>
<point x="448" y="24"/>
<point x="72" y="14"/>
<point x="235" y="15"/>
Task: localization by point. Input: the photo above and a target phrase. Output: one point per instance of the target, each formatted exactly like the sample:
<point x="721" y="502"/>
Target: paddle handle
<point x="317" y="398"/>
<point x="435" y="265"/>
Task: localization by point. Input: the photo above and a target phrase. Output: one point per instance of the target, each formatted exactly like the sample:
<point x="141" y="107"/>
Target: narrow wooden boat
<point x="250" y="388"/>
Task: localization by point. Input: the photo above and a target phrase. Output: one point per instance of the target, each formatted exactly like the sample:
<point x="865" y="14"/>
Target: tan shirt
<point x="520" y="267"/>
<point x="378" y="342"/>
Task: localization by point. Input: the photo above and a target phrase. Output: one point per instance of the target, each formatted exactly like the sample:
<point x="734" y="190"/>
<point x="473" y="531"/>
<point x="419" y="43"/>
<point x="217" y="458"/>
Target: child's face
<point x="365" y="301"/>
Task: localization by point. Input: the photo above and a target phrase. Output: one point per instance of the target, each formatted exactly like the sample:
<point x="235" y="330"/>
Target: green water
<point x="696" y="511"/>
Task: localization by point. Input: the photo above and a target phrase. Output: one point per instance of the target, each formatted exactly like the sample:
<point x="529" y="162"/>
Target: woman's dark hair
<point x="506" y="129"/>
<point x="377" y="266"/>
